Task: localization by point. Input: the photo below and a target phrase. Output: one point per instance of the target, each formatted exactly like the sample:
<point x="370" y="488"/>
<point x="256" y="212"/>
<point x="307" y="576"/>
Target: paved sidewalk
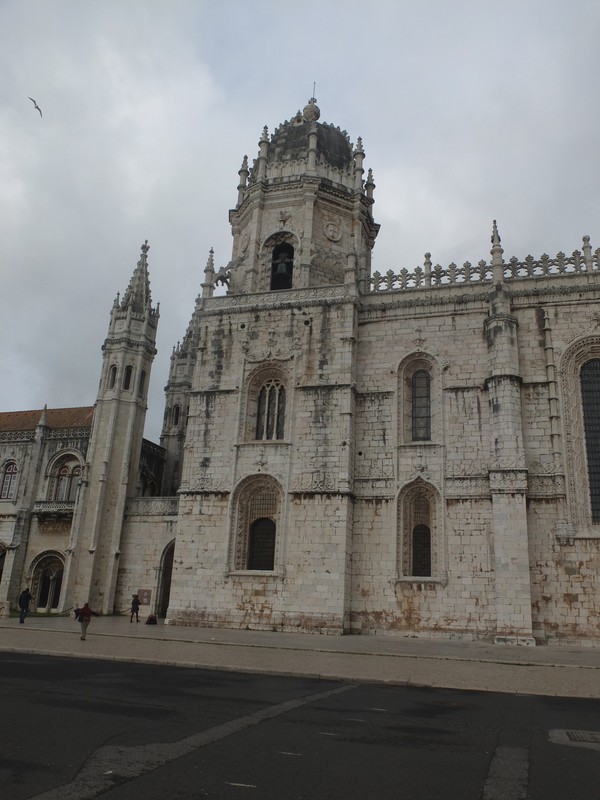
<point x="566" y="670"/>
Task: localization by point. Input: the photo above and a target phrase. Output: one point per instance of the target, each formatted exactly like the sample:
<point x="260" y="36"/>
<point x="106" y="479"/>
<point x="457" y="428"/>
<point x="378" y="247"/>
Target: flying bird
<point x="36" y="106"/>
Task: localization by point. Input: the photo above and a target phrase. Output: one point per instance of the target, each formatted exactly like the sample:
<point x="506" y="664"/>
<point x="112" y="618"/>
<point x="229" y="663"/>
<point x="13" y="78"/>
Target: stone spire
<point x="137" y="297"/>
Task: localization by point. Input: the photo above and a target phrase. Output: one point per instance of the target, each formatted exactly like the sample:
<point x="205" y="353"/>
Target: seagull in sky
<point x="36" y="105"/>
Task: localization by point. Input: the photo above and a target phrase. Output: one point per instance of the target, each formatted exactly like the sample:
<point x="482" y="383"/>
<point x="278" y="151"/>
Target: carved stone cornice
<point x="508" y="481"/>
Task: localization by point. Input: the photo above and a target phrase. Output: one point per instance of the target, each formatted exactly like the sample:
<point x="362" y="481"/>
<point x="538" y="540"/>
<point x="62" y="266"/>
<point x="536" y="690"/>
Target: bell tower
<point x="303" y="209"/>
<point x="115" y="444"/>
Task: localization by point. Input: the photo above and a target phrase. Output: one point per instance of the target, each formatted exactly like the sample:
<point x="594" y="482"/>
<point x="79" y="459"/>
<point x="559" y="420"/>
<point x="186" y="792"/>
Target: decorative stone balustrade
<point x="580" y="261"/>
<point x="54" y="508"/>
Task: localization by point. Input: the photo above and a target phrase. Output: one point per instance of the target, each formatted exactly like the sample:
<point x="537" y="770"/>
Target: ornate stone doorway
<point x="47" y="582"/>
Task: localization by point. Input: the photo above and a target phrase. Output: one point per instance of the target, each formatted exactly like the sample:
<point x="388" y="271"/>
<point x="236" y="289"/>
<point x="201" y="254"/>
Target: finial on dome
<point x="311" y="111"/>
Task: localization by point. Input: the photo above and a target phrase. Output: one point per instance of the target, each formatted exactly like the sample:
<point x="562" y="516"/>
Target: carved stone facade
<point x="345" y="451"/>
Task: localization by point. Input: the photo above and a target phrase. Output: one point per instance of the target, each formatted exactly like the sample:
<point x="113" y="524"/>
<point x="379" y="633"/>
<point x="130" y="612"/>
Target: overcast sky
<point x="469" y="111"/>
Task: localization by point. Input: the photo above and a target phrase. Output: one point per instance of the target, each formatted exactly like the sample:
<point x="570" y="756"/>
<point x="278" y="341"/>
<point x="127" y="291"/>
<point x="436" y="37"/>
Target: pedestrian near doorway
<point x="135" y="608"/>
<point x="84" y="616"/>
<point x="24" y="601"/>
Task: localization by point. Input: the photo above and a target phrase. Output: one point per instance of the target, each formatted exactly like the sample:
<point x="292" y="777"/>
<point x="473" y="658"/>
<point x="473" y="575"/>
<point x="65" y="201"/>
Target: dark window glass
<point x="421" y="551"/>
<point x="142" y="381"/>
<point x="421" y="406"/>
<point x="112" y="377"/>
<point x="127" y="379"/>
<point x="261" y="546"/>
<point x="176" y="412"/>
<point x="590" y="392"/>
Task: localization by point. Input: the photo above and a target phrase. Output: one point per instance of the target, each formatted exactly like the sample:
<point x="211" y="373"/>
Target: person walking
<point x="24" y="601"/>
<point x="84" y="617"/>
<point x="135" y="608"/>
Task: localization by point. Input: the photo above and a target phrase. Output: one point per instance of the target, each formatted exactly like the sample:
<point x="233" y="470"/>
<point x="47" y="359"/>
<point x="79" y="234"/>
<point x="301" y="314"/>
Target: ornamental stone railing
<point x="582" y="261"/>
<point x="152" y="506"/>
<point x="54" y="508"/>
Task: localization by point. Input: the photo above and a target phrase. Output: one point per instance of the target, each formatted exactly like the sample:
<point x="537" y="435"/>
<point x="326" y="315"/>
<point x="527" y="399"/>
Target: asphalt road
<point x="74" y="729"/>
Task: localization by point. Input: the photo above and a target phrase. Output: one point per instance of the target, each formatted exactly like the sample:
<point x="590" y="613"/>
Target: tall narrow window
<point x="261" y="545"/>
<point x="590" y="393"/>
<point x="112" y="377"/>
<point x="9" y="481"/>
<point x="142" y="384"/>
<point x="421" y="406"/>
<point x="419" y="552"/>
<point x="127" y="378"/>
<point x="270" y="418"/>
<point x="176" y="413"/>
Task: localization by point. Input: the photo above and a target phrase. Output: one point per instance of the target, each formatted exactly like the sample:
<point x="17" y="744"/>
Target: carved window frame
<point x="64" y="474"/>
<point x="10" y="474"/>
<point x="419" y="504"/>
<point x="269" y="376"/>
<point x="410" y="367"/>
<point x="577" y="474"/>
<point x="257" y="497"/>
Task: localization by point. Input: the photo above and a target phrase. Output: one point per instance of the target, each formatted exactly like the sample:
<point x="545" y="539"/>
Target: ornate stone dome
<point x="290" y="140"/>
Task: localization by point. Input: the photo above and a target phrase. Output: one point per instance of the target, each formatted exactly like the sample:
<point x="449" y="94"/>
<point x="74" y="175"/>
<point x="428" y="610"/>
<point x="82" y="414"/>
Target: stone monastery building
<point x="342" y="451"/>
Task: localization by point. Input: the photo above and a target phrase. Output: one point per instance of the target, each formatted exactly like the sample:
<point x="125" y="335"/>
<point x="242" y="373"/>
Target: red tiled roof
<point x="55" y="418"/>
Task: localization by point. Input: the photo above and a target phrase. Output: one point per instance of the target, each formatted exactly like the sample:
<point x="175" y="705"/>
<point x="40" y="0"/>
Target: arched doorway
<point x="164" y="584"/>
<point x="47" y="582"/>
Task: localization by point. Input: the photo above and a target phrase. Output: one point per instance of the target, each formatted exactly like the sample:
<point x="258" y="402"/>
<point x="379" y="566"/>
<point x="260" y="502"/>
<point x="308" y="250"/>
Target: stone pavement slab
<point x="567" y="670"/>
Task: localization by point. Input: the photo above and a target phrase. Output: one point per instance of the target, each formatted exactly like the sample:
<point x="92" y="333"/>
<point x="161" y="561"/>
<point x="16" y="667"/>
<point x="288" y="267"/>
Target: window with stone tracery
<point x="9" y="481"/>
<point x="270" y="414"/>
<point x="418" y="545"/>
<point x="418" y="400"/>
<point x="257" y="511"/>
<point x="64" y="479"/>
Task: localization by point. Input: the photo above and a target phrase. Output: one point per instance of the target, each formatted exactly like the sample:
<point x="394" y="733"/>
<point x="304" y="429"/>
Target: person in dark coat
<point x="24" y="601"/>
<point x="135" y="608"/>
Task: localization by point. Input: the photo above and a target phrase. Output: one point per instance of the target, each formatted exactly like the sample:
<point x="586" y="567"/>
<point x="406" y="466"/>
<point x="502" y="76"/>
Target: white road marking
<point x="508" y="774"/>
<point x="243" y="785"/>
<point x="113" y="765"/>
<point x="285" y="753"/>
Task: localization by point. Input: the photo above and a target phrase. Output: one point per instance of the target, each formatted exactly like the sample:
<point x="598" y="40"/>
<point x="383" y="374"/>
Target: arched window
<point x="65" y="479"/>
<point x="270" y="416"/>
<point x="142" y="384"/>
<point x="261" y="545"/>
<point x="176" y="414"/>
<point x="9" y="481"/>
<point x="419" y="550"/>
<point x="257" y="504"/>
<point x="590" y="395"/>
<point x="127" y="378"/>
<point x="421" y="406"/>
<point x="282" y="267"/>
<point x="112" y="377"/>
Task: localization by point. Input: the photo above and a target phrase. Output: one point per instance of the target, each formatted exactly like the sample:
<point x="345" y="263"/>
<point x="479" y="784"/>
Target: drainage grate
<point x="592" y="737"/>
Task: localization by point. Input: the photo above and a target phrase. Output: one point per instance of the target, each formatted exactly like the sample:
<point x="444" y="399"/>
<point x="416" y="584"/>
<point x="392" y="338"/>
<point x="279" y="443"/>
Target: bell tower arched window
<point x="282" y="267"/>
<point x="127" y="378"/>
